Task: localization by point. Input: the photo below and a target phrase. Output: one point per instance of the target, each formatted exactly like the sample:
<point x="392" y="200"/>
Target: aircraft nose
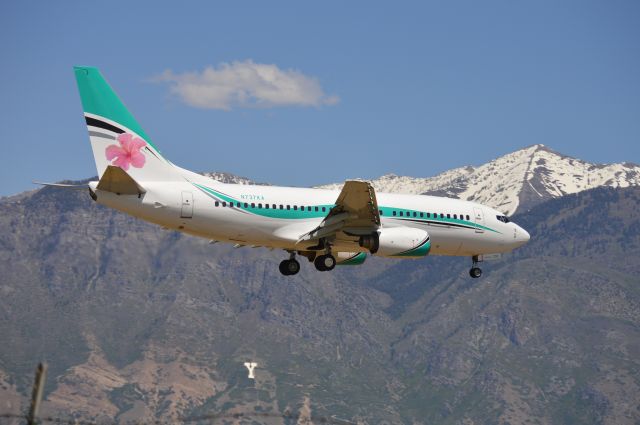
<point x="522" y="236"/>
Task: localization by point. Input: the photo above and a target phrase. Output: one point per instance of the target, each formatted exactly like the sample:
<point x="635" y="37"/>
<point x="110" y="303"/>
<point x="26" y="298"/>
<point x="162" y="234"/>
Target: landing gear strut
<point x="291" y="266"/>
<point x="475" y="271"/>
<point x="324" y="262"/>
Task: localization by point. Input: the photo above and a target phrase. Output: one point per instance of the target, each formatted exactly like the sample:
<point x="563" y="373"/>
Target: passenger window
<point x="316" y="209"/>
<point x="253" y="205"/>
<point x="394" y="213"/>
<point x="266" y="206"/>
<point x="455" y="216"/>
<point x="273" y="206"/>
<point x="246" y="205"/>
<point x="414" y="214"/>
<point x="288" y="206"/>
<point x="467" y="216"/>
<point x="231" y="204"/>
<point x="224" y="204"/>
<point x="401" y="213"/>
<point x="421" y="214"/>
<point x="441" y="215"/>
<point x="324" y="209"/>
<point x="259" y="205"/>
<point x="281" y="206"/>
<point x="448" y="215"/>
<point x="380" y="212"/>
<point x="295" y="208"/>
<point x="428" y="215"/>
<point x="217" y="204"/>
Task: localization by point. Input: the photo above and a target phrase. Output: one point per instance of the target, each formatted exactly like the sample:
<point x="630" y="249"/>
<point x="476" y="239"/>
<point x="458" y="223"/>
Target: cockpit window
<point x="503" y="218"/>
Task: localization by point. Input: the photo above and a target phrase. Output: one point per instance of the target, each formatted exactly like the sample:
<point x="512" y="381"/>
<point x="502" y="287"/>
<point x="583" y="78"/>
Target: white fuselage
<point x="191" y="207"/>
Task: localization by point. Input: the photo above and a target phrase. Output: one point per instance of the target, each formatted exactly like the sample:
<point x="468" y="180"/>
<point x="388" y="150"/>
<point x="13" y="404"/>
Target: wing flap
<point x="358" y="198"/>
<point x="355" y="213"/>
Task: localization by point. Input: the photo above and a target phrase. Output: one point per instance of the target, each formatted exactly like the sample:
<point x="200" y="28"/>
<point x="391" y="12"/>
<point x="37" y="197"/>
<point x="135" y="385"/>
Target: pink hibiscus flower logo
<point x="128" y="153"/>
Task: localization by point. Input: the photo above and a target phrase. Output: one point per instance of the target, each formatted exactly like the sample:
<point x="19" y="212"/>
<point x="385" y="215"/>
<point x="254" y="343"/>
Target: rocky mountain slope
<point x="516" y="181"/>
<point x="140" y="323"/>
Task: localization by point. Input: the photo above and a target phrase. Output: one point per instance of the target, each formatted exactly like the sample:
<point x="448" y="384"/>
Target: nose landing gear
<point x="475" y="271"/>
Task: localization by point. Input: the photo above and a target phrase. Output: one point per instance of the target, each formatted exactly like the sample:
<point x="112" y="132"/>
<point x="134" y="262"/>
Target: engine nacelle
<point x="350" y="258"/>
<point x="398" y="242"/>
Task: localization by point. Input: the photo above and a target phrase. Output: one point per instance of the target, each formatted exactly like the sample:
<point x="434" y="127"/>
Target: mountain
<point x="516" y="181"/>
<point x="139" y="323"/>
<point x="231" y="178"/>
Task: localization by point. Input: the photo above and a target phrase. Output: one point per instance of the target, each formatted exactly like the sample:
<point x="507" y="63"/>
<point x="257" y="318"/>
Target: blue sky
<point x="412" y="88"/>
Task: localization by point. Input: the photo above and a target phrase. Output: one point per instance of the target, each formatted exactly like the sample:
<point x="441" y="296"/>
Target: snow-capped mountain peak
<point x="515" y="181"/>
<point x="229" y="178"/>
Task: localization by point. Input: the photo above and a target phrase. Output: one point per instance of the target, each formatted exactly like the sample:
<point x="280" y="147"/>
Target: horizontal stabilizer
<point x="116" y="180"/>
<point x="63" y="186"/>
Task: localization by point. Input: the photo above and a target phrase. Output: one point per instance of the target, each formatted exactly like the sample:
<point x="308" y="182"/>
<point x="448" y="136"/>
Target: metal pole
<point x="36" y="394"/>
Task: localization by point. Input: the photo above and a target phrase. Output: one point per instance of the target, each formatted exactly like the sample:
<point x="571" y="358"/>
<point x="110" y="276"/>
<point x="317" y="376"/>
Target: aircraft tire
<point x="283" y="267"/>
<point x="475" y="272"/>
<point x="325" y="263"/>
<point x="319" y="263"/>
<point x="289" y="267"/>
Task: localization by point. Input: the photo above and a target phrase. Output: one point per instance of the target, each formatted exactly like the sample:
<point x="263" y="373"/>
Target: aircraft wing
<point x="355" y="213"/>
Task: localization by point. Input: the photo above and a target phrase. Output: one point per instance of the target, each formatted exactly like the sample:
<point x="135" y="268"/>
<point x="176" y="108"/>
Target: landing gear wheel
<point x="475" y="272"/>
<point x="289" y="267"/>
<point x="325" y="262"/>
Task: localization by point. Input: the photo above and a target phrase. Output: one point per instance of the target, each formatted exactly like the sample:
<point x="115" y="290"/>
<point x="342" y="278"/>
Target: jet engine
<point x="397" y="242"/>
<point x="350" y="258"/>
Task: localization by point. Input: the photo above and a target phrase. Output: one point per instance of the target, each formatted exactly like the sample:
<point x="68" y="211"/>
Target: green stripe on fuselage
<point x="387" y="212"/>
<point x="414" y="215"/>
<point x="270" y="212"/>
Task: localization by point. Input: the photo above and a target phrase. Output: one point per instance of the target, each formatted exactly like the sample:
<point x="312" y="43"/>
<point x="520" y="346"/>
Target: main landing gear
<point x="475" y="271"/>
<point x="291" y="266"/>
<point x="324" y="262"/>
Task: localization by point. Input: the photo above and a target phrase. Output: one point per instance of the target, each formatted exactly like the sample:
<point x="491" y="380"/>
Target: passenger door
<point x="187" y="205"/>
<point x="479" y="219"/>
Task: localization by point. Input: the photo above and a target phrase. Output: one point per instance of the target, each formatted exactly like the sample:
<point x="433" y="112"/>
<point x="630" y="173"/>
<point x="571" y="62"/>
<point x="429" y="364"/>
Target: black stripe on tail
<point x="101" y="124"/>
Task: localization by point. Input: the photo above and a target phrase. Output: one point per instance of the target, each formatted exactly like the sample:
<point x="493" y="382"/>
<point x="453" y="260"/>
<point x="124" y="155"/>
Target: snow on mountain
<point x="515" y="181"/>
<point x="223" y="177"/>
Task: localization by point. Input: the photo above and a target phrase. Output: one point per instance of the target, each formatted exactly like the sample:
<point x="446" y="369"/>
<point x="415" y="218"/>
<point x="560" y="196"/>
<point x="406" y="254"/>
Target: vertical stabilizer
<point x="116" y="137"/>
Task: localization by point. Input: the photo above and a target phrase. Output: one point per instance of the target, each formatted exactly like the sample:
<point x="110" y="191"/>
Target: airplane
<point x="327" y="227"/>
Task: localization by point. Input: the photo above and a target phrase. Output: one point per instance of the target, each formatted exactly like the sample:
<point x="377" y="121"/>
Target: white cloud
<point x="246" y="84"/>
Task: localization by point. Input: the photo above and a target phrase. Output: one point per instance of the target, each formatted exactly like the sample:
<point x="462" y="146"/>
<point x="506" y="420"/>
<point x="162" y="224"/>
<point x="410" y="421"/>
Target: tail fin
<point x="116" y="137"/>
